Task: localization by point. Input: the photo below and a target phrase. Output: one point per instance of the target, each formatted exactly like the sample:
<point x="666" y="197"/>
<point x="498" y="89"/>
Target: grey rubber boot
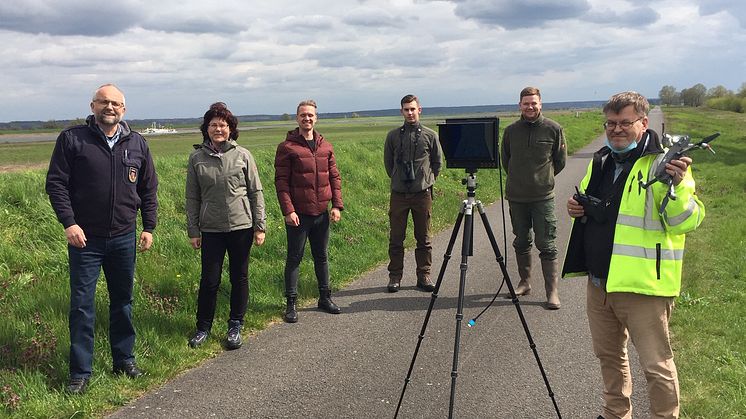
<point x="550" y="269"/>
<point x="524" y="271"/>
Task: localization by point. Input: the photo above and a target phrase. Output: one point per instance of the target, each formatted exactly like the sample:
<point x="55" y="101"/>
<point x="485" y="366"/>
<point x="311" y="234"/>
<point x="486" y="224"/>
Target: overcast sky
<point x="172" y="58"/>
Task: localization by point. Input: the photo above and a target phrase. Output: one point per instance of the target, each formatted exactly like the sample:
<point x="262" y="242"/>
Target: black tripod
<point x="466" y="214"/>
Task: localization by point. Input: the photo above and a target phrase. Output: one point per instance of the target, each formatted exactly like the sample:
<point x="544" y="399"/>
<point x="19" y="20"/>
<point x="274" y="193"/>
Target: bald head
<point x="107" y="89"/>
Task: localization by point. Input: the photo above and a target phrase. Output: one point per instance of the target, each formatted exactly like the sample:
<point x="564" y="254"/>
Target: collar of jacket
<point x="226" y="146"/>
<point x="539" y="119"/>
<point x="91" y="122"/>
<point x="652" y="146"/>
<point x="296" y="137"/>
<point x="406" y="126"/>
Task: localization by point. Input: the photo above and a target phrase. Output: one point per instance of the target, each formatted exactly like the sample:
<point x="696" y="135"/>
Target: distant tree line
<point x="718" y="97"/>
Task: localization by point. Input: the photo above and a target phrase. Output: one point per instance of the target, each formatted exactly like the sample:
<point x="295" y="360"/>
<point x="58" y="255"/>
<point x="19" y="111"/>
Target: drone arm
<point x="679" y="207"/>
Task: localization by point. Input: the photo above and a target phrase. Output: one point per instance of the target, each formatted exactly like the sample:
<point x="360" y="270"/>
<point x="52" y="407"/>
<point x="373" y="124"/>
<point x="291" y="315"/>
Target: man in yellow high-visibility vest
<point x="632" y="254"/>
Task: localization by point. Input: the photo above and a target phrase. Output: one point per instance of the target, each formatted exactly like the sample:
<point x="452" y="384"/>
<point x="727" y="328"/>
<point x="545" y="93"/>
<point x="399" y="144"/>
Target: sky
<point x="173" y="58"/>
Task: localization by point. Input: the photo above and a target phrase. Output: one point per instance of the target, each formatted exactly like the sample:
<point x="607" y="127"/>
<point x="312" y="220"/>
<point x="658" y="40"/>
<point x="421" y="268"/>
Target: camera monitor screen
<point x="470" y="143"/>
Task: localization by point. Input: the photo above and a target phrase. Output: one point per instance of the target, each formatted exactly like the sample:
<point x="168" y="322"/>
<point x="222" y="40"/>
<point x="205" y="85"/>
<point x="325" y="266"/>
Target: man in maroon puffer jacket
<point x="306" y="179"/>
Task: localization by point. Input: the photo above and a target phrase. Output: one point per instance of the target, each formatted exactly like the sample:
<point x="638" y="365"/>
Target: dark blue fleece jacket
<point x="99" y="188"/>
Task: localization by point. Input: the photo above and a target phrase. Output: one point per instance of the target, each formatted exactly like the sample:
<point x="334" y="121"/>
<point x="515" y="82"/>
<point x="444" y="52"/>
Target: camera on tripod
<point x="470" y="143"/>
<point x="593" y="207"/>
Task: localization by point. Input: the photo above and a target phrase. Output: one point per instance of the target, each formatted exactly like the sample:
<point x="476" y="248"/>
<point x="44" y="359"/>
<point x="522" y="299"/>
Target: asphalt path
<point x="354" y="365"/>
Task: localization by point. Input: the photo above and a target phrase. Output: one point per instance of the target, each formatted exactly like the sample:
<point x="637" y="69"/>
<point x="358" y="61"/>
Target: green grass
<point x="709" y="322"/>
<point x="34" y="277"/>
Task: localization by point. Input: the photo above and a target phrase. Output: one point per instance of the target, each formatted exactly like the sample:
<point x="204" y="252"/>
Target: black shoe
<point x="77" y="385"/>
<point x="326" y="303"/>
<point x="234" y="335"/>
<point x="426" y="285"/>
<point x="394" y="285"/>
<point x="129" y="369"/>
<point x="199" y="337"/>
<point x="291" y="314"/>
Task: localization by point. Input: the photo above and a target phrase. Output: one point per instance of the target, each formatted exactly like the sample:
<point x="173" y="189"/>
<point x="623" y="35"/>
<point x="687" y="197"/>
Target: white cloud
<point x="173" y="58"/>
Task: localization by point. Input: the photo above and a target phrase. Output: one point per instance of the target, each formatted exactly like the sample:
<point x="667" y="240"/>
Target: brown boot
<point x="425" y="284"/>
<point x="524" y="271"/>
<point x="550" y="269"/>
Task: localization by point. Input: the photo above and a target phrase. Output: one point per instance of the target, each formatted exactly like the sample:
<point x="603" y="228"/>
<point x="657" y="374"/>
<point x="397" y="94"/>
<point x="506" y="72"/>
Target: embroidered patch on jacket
<point x="132" y="174"/>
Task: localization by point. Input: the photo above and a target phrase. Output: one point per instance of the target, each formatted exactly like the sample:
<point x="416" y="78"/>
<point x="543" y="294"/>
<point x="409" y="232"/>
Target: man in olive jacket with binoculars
<point x="412" y="156"/>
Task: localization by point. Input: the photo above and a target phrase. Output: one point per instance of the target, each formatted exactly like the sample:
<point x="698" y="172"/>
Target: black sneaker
<point x="77" y="385"/>
<point x="129" y="369"/>
<point x="234" y="335"/>
<point x="199" y="337"/>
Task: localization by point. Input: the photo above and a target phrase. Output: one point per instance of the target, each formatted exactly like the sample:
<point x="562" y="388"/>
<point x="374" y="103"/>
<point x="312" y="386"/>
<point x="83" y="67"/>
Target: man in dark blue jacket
<point x="99" y="175"/>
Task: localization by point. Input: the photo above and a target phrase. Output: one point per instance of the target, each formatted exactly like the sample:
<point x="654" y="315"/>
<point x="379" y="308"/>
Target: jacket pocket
<point x="202" y="214"/>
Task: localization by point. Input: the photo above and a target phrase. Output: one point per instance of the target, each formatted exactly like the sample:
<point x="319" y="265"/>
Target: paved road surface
<point x="353" y="365"/>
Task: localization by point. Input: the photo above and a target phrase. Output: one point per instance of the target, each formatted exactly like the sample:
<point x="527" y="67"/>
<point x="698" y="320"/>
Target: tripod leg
<point x="532" y="345"/>
<point x="446" y="258"/>
<point x="465" y="253"/>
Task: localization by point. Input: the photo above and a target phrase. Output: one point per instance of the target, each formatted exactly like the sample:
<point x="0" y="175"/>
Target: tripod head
<point x="471" y="182"/>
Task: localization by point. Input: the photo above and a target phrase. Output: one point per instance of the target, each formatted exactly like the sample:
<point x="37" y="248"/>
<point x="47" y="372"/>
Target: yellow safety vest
<point x="648" y="248"/>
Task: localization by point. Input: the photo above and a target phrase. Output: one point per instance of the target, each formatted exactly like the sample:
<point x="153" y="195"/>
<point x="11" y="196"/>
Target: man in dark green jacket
<point x="533" y="152"/>
<point x="412" y="157"/>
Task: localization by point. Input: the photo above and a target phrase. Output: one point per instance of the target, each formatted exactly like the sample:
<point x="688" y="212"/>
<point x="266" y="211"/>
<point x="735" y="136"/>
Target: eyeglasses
<point x="114" y="104"/>
<point x="218" y="126"/>
<point x="611" y="125"/>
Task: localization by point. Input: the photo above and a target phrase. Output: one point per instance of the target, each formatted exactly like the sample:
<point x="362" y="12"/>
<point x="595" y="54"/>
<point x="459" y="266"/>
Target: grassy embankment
<point x="33" y="270"/>
<point x="709" y="322"/>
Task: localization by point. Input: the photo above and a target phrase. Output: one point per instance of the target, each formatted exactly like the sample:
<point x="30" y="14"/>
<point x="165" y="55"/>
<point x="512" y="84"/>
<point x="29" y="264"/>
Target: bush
<point x="728" y="103"/>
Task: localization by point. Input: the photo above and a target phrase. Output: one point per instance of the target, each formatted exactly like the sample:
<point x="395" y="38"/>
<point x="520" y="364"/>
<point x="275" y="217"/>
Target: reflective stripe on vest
<point x="645" y="258"/>
<point x="648" y="253"/>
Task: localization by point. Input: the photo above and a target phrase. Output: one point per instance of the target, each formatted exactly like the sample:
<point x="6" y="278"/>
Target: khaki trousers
<point x="615" y="317"/>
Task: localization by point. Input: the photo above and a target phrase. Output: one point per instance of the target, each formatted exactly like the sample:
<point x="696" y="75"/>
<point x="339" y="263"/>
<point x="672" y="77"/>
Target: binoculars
<point x="408" y="170"/>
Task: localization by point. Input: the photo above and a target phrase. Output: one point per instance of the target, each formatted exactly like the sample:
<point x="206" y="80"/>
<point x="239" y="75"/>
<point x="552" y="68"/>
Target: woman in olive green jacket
<point x="225" y="213"/>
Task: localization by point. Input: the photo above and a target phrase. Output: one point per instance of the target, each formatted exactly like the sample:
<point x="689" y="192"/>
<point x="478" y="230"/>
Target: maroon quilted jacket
<point x="306" y="180"/>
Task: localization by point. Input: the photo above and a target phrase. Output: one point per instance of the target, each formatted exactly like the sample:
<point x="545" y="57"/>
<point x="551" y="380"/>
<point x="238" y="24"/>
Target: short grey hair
<point x="621" y="100"/>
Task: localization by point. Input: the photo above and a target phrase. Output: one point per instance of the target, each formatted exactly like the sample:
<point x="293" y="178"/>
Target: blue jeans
<point x="314" y="229"/>
<point x="117" y="257"/>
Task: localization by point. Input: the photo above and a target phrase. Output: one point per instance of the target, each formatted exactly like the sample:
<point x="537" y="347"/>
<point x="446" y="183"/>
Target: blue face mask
<point x="629" y="148"/>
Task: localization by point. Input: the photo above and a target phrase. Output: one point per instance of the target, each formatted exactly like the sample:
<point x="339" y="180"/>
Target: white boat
<point x="156" y="129"/>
